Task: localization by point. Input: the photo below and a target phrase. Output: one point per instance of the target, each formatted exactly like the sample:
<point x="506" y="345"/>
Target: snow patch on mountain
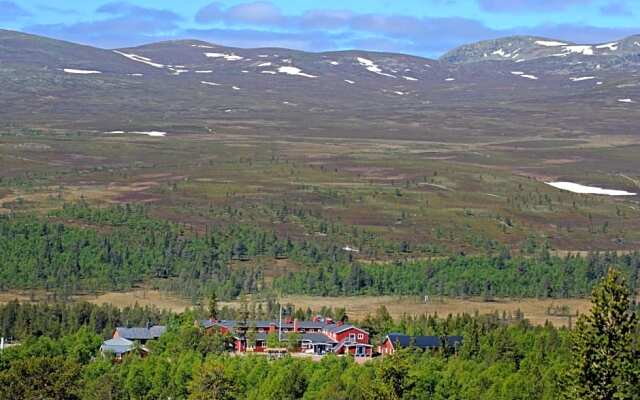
<point x="372" y="67"/>
<point x="549" y="43"/>
<point x="140" y="59"/>
<point x="610" y="46"/>
<point x="228" y="57"/>
<point x="501" y="53"/>
<point x="80" y="71"/>
<point x="151" y="133"/>
<point x="584" y="50"/>
<point x="294" y="71"/>
<point x="582" y="189"/>
<point x="178" y="72"/>
<point x="582" y="78"/>
<point x="523" y="75"/>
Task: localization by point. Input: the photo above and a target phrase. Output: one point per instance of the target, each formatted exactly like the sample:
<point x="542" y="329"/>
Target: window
<point x="352" y="336"/>
<point x="360" y="336"/>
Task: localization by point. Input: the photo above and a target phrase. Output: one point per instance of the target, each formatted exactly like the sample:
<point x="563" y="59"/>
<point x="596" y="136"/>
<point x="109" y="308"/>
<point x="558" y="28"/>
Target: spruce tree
<point x="605" y="358"/>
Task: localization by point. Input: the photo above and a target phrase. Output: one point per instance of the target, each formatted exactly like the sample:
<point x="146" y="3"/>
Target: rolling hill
<point x="506" y="87"/>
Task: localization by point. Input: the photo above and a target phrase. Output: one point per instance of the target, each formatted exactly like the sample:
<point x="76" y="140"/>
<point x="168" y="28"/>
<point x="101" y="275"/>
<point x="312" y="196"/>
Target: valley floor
<point x="357" y="308"/>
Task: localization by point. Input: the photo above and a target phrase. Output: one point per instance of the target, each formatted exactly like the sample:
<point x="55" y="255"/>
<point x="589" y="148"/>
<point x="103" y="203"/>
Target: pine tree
<point x="213" y="382"/>
<point x="213" y="306"/>
<point x="605" y="360"/>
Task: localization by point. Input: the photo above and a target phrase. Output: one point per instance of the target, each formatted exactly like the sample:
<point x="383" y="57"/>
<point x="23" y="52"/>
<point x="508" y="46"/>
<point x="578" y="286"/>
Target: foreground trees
<point x="499" y="360"/>
<point x="606" y="360"/>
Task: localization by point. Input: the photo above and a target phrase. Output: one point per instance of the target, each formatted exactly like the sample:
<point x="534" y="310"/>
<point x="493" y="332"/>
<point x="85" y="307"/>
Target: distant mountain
<point x="508" y="86"/>
<point x="527" y="48"/>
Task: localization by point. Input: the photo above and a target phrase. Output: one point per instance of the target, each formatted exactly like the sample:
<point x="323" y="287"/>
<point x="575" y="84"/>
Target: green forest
<point x="89" y="249"/>
<point x="58" y="358"/>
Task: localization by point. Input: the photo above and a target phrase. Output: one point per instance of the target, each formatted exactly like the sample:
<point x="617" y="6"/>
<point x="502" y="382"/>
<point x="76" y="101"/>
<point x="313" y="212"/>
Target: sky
<point x="421" y="27"/>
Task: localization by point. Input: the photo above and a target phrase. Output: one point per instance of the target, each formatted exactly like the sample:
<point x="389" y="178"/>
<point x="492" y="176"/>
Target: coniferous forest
<point x="81" y="248"/>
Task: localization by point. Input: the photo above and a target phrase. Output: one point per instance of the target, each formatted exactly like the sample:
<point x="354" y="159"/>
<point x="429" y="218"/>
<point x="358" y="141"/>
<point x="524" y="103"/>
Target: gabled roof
<point x="342" y="328"/>
<point x="422" y="342"/>
<point x="141" y="333"/>
<point x="117" y="346"/>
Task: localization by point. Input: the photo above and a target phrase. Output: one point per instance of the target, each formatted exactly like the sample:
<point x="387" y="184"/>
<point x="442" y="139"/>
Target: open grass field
<point x="535" y="310"/>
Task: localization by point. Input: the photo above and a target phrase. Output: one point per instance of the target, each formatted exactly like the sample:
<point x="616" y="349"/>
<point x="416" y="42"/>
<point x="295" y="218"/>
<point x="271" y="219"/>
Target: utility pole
<point x="280" y="326"/>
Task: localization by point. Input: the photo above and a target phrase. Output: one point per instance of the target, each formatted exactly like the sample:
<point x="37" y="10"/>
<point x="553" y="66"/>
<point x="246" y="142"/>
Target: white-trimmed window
<point x="360" y="336"/>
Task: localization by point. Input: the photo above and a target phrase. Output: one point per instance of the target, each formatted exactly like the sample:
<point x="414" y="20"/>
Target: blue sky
<point x="422" y="27"/>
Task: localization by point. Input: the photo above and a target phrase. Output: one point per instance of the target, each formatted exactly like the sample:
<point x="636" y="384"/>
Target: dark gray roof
<point x="117" y="346"/>
<point x="342" y="328"/>
<point x="157" y="330"/>
<point x="141" y="333"/>
<point x="423" y="342"/>
<point x="317" y="338"/>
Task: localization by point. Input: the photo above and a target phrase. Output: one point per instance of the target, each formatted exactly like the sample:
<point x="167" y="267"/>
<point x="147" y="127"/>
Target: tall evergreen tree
<point x="605" y="357"/>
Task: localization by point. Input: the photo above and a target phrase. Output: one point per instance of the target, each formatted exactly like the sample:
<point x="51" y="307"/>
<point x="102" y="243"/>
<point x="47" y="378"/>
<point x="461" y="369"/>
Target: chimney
<point x="339" y="323"/>
<point x="296" y="327"/>
<point x="273" y="327"/>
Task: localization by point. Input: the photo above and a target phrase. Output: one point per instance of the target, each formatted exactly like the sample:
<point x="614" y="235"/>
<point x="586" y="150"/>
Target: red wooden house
<point x="319" y="336"/>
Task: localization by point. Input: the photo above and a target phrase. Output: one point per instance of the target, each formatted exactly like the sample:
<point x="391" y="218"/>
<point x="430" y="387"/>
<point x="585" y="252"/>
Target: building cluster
<point x="127" y="340"/>
<point x="318" y="337"/>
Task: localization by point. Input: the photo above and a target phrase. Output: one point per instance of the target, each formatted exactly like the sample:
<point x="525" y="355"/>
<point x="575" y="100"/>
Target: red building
<point x="319" y="336"/>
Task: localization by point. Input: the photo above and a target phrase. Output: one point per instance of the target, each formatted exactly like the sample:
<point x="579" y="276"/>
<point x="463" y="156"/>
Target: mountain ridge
<point x="629" y="42"/>
<point x="161" y="85"/>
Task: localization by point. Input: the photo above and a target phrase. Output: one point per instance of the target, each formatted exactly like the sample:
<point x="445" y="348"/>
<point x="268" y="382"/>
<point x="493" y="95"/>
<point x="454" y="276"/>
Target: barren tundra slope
<point x="510" y="87"/>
